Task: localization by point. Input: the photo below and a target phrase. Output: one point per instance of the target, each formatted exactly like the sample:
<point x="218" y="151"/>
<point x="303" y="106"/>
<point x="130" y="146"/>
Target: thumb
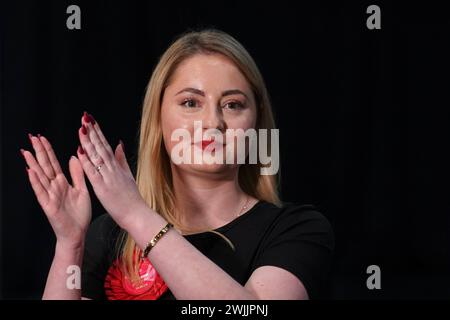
<point x="77" y="173"/>
<point x="121" y="158"/>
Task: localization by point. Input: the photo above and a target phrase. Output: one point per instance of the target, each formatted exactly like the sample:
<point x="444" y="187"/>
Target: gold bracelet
<point x="153" y="242"/>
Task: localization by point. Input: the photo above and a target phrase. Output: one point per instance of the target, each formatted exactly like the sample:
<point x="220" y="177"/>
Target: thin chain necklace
<point x="244" y="207"/>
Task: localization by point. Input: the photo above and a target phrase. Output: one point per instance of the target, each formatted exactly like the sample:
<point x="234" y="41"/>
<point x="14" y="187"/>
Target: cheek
<point x="246" y="121"/>
<point x="171" y="121"/>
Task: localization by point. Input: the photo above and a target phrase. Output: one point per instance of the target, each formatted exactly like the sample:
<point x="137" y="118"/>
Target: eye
<point x="189" y="103"/>
<point x="234" y="105"/>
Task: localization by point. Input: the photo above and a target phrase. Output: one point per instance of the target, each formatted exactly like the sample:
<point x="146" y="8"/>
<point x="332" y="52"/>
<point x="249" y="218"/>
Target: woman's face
<point x="207" y="91"/>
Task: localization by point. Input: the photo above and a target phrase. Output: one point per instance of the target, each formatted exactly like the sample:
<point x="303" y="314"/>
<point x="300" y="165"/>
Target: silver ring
<point x="98" y="168"/>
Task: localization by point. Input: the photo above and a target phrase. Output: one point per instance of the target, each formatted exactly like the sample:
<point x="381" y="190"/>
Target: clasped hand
<point x="67" y="206"/>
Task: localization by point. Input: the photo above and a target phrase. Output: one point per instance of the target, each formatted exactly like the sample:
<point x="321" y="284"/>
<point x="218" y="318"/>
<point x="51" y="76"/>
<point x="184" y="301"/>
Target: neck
<point x="208" y="200"/>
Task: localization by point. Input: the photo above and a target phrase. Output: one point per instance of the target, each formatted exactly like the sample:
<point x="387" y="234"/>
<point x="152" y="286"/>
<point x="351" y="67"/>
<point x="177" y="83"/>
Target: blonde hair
<point x="154" y="177"/>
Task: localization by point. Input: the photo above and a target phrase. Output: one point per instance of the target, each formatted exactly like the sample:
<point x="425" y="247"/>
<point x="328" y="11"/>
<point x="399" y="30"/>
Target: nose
<point x="213" y="119"/>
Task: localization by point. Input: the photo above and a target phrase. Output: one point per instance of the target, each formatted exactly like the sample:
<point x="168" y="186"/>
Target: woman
<point x="197" y="230"/>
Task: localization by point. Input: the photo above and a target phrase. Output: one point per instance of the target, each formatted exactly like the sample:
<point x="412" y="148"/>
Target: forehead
<point x="211" y="71"/>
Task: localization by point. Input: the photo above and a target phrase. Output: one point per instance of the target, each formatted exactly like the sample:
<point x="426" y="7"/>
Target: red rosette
<point x="119" y="287"/>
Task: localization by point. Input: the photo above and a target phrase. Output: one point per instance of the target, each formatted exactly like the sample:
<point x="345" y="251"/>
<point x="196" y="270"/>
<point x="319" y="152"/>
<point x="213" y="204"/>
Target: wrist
<point x="144" y="223"/>
<point x="72" y="246"/>
<point x="69" y="253"/>
<point x="135" y="216"/>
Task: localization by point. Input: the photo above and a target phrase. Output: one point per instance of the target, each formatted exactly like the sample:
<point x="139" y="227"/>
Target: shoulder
<point x="299" y="239"/>
<point x="300" y="221"/>
<point x="296" y="212"/>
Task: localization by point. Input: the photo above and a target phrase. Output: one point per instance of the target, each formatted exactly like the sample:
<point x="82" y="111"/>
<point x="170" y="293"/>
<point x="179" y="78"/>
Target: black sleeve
<point x="301" y="241"/>
<point x="98" y="252"/>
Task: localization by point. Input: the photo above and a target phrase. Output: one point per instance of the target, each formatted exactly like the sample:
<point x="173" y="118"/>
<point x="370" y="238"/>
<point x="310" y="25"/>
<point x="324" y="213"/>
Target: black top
<point x="296" y="238"/>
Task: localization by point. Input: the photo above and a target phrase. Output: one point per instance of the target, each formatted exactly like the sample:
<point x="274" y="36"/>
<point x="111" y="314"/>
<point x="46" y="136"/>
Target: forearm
<point x="59" y="286"/>
<point x="187" y="272"/>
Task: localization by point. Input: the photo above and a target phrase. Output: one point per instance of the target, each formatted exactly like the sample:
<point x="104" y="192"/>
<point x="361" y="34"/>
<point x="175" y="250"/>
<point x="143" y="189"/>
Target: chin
<point x="208" y="168"/>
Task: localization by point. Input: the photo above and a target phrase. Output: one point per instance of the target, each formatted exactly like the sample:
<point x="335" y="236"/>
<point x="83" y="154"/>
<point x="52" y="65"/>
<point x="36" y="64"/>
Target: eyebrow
<point x="233" y="91"/>
<point x="201" y="93"/>
<point x="192" y="90"/>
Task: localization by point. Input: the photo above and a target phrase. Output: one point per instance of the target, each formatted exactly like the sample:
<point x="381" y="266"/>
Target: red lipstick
<point x="206" y="143"/>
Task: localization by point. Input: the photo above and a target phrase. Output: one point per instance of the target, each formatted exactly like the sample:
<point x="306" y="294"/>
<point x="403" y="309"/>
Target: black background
<point x="363" y="118"/>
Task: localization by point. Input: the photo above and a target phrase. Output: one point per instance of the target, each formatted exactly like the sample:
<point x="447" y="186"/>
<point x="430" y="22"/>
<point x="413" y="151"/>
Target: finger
<point x="88" y="118"/>
<point x="42" y="157"/>
<point x="90" y="151"/>
<point x="34" y="165"/>
<point x="51" y="155"/>
<point x="99" y="146"/>
<point x="102" y="138"/>
<point x="121" y="157"/>
<point x="95" y="151"/>
<point x="39" y="190"/>
<point x="93" y="175"/>
<point x="77" y="174"/>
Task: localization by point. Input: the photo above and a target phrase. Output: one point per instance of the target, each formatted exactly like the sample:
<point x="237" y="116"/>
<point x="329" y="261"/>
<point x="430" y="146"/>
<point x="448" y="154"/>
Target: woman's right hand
<point x="67" y="207"/>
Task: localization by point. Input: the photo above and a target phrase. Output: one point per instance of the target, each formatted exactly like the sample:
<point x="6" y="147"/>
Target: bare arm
<point x="59" y="286"/>
<point x="174" y="257"/>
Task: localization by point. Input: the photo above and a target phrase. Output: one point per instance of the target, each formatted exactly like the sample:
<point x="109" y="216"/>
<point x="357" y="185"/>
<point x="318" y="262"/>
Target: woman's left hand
<point x="108" y="172"/>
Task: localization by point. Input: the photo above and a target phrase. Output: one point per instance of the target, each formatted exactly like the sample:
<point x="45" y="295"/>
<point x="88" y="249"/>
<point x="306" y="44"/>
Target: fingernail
<point x="29" y="137"/>
<point x="83" y="129"/>
<point x="91" y="118"/>
<point x="80" y="150"/>
<point x="22" y="152"/>
<point x="86" y="117"/>
<point x="123" y="146"/>
<point x="39" y="135"/>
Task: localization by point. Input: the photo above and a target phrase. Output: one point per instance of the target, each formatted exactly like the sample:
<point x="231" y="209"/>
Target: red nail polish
<point x="86" y="117"/>
<point x="91" y="118"/>
<point x="83" y="129"/>
<point x="80" y="150"/>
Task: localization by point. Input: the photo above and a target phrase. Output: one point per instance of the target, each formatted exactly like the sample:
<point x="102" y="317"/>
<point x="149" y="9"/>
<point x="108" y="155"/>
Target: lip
<point x="205" y="143"/>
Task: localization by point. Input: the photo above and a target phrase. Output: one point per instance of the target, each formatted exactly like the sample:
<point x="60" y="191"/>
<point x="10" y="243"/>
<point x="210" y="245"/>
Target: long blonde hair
<point x="154" y="177"/>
